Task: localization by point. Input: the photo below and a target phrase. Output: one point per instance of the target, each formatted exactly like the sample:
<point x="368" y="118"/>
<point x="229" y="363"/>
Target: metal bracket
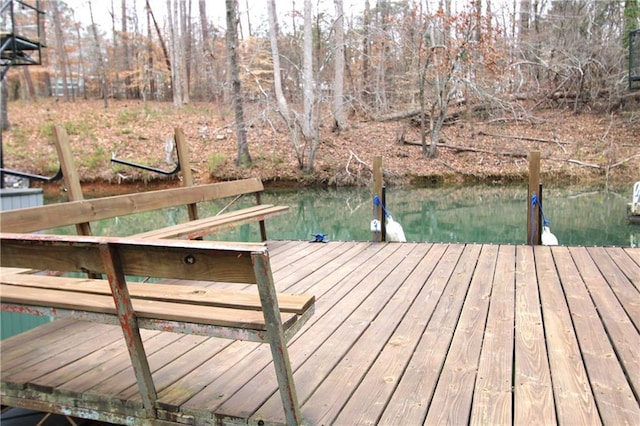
<point x="148" y="168"/>
<point x="54" y="178"/>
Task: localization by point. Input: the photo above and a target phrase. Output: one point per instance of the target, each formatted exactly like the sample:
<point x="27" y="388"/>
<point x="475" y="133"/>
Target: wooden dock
<point x="403" y="334"/>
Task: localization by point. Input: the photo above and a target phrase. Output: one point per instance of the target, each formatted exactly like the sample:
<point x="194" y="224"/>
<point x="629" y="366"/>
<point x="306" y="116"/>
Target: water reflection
<point x="476" y="214"/>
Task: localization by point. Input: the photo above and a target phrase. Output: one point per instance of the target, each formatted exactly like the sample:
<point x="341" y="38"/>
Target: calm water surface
<point x="473" y="214"/>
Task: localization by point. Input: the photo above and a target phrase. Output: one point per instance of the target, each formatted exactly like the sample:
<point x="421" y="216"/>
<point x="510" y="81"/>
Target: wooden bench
<point x="91" y="210"/>
<point x="264" y="316"/>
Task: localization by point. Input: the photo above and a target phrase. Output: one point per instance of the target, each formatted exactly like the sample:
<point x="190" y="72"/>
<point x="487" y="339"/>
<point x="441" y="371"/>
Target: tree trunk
<point x="283" y="106"/>
<point x="126" y="62"/>
<point x="163" y="45"/>
<point x="103" y="71"/>
<point x="307" y="73"/>
<point x="115" y="62"/>
<point x="4" y="116"/>
<point x="243" y="157"/>
<point x="338" y="77"/>
<point x="248" y="19"/>
<point x="61" y="53"/>
<point x="381" y="89"/>
<point x="525" y="19"/>
<point x="81" y="71"/>
<point x="366" y="53"/>
<point x="30" y="87"/>
<point x="275" y="57"/>
<point x="176" y="74"/>
<point x="149" y="86"/>
<point x="184" y="51"/>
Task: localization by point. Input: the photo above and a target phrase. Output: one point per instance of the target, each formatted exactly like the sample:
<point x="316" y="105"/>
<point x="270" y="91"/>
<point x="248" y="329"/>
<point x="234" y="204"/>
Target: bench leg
<point x="263" y="228"/>
<point x="130" y="329"/>
<point x="263" y="231"/>
<point x="277" y="341"/>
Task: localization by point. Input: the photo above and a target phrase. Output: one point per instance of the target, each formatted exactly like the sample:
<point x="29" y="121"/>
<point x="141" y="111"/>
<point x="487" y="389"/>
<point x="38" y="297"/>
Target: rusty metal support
<point x="130" y="328"/>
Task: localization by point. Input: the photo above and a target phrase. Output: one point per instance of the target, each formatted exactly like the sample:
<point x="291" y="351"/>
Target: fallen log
<point x="523" y="138"/>
<point x="459" y="148"/>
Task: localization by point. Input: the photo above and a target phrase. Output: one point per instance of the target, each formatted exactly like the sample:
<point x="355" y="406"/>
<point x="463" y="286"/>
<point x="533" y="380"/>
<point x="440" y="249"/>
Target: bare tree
<point x="174" y="14"/>
<point x="444" y="57"/>
<point x="338" y="79"/>
<point x="307" y="73"/>
<point x="101" y="66"/>
<point x="366" y="53"/>
<point x="275" y="57"/>
<point x="184" y="49"/>
<point x="60" y="50"/>
<point x="243" y="157"/>
<point x="289" y="115"/>
<point x="126" y="60"/>
<point x="4" y="116"/>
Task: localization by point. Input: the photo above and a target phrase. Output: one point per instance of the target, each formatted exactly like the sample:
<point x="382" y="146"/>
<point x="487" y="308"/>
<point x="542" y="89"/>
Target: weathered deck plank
<point x="533" y="393"/>
<point x="410" y="402"/>
<point x="574" y="399"/>
<point x="403" y="334"/>
<point x="492" y="402"/>
<point x="377" y="386"/>
<point x="451" y="404"/>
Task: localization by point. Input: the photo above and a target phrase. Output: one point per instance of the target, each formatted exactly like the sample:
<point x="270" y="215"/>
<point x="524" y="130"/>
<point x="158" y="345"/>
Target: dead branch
<point x="594" y="166"/>
<point x="353" y="155"/>
<point x="621" y="162"/>
<point x="398" y="115"/>
<point x="524" y="138"/>
<point x="458" y="148"/>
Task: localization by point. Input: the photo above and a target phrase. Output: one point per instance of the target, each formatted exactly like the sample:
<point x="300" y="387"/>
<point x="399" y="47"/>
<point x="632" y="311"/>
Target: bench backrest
<point x="178" y="259"/>
<point x="73" y="212"/>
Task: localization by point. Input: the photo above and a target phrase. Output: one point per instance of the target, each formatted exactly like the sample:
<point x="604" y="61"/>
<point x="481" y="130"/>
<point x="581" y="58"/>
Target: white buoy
<point x="548" y="239"/>
<point x="394" y="231"/>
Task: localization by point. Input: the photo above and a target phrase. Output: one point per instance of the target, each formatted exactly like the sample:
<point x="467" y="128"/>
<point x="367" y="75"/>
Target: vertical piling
<point x="533" y="210"/>
<point x="377" y="191"/>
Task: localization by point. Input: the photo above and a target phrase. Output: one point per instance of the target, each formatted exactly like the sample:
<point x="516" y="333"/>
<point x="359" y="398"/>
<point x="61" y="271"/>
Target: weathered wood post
<point x="377" y="192"/>
<point x="70" y="173"/>
<point x="533" y="210"/>
<point x="185" y="167"/>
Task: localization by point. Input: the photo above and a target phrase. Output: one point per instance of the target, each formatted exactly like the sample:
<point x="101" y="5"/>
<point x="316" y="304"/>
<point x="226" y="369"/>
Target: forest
<point x="310" y="71"/>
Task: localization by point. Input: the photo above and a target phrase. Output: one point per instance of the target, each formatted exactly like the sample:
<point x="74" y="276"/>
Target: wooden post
<point x="383" y="225"/>
<point x="377" y="191"/>
<point x="533" y="212"/>
<point x="185" y="168"/>
<point x="130" y="328"/>
<point x="70" y="173"/>
<point x="275" y="334"/>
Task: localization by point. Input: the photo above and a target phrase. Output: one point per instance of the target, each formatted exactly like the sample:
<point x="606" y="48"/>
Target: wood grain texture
<point x="72" y="212"/>
<point x="573" y="396"/>
<point x="190" y="260"/>
<point x="492" y="403"/>
<point x="210" y="225"/>
<point x="294" y="303"/>
<point x="533" y="392"/>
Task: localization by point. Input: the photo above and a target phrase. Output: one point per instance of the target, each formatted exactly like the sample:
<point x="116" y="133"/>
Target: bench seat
<point x="156" y="303"/>
<point x="198" y="228"/>
<point x="181" y="306"/>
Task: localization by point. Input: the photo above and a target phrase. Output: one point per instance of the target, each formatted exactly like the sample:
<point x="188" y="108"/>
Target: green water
<point x="476" y="214"/>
